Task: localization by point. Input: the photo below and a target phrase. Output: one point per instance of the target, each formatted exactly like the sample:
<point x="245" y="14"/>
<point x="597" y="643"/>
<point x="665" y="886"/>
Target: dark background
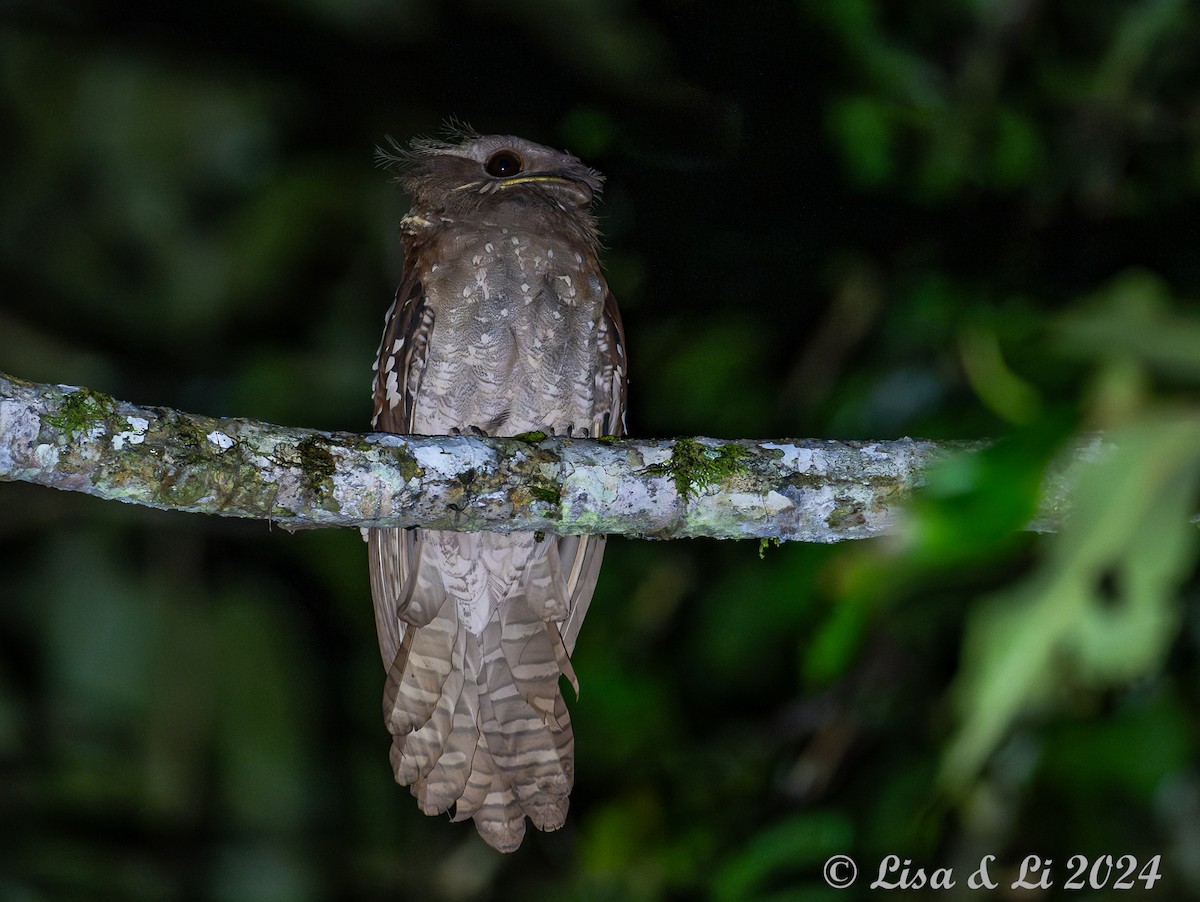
<point x="832" y="218"/>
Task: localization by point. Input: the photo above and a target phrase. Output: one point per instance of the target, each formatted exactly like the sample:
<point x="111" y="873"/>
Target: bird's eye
<point x="503" y="163"/>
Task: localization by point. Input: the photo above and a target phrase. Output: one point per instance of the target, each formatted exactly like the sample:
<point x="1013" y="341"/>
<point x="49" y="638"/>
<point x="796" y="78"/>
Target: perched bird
<point x="503" y="324"/>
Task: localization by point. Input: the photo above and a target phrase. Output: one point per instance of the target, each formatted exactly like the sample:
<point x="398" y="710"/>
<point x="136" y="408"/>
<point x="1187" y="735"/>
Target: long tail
<point x="478" y="722"/>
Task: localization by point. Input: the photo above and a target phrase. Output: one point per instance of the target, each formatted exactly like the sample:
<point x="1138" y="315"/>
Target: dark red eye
<point x="503" y="163"/>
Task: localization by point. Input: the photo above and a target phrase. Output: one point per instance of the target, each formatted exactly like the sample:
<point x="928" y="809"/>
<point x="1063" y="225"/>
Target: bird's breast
<point x="513" y="347"/>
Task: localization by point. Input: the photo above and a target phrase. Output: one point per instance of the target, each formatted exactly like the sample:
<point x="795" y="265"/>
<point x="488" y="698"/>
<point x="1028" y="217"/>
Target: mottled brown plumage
<point x="502" y="324"/>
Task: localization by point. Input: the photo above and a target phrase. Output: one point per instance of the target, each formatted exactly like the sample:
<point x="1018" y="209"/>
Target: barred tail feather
<point x="531" y="658"/>
<point x="520" y="740"/>
<point x="415" y="680"/>
<point x="479" y="781"/>
<point x="479" y="724"/>
<point x="499" y="818"/>
<point x="423" y="748"/>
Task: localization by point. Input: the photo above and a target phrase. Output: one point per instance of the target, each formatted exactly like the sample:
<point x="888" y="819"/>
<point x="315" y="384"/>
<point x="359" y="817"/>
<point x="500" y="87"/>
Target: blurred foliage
<point x="838" y="218"/>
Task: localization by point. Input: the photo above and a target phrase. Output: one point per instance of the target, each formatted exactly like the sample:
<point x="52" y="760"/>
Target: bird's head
<point x="495" y="176"/>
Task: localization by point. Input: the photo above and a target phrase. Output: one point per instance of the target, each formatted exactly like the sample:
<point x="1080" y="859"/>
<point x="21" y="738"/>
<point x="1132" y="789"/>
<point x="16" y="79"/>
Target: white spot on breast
<point x="489" y="247"/>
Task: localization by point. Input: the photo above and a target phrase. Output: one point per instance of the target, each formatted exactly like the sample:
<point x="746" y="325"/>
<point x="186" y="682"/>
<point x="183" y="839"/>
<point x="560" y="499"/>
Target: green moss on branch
<point x="694" y="466"/>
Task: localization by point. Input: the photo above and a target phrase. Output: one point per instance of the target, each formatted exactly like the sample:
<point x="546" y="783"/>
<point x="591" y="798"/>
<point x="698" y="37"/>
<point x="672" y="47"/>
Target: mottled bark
<point x="813" y="490"/>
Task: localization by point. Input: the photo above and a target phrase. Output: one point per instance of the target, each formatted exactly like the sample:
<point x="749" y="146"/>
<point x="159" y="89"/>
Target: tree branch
<point x="817" y="491"/>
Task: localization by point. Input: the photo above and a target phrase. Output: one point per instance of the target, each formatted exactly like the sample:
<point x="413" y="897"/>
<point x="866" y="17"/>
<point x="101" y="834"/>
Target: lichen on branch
<point x="817" y="491"/>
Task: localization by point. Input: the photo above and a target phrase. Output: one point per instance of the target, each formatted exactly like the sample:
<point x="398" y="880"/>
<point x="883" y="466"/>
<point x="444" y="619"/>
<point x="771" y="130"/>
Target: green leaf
<point x="1102" y="608"/>
<point x="1132" y="316"/>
